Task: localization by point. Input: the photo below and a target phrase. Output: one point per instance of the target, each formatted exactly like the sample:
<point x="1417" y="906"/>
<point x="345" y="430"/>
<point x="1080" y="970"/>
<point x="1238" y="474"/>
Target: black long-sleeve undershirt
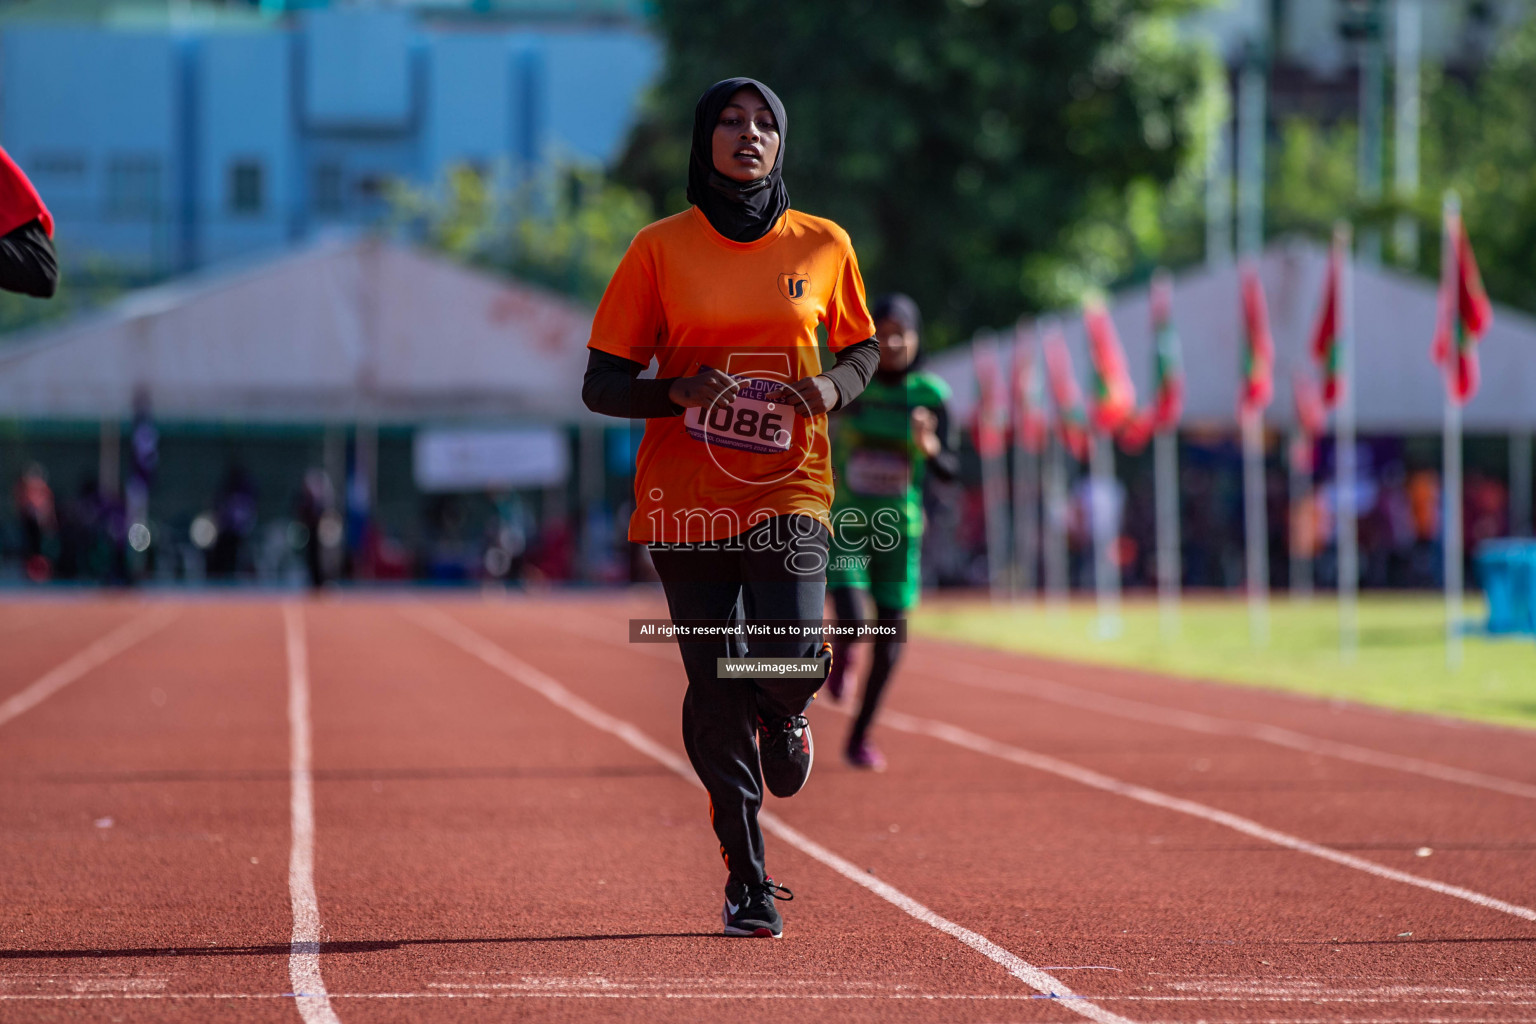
<point x="612" y="387"/>
<point x="28" y="263"/>
<point x="612" y="384"/>
<point x="946" y="464"/>
<point x="855" y="367"/>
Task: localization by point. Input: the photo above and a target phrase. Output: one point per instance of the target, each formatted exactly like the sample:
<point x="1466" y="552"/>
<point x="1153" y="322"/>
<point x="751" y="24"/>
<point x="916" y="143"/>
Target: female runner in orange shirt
<point x="733" y="479"/>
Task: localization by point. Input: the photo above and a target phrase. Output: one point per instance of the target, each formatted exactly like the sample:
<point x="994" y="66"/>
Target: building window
<point x="57" y="166"/>
<point x="133" y="186"/>
<point x="328" y="192"/>
<point x="245" y="182"/>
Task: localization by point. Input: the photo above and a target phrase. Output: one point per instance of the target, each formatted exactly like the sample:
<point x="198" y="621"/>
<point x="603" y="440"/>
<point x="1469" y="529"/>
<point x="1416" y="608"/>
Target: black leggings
<point x="849" y="603"/>
<point x="775" y="571"/>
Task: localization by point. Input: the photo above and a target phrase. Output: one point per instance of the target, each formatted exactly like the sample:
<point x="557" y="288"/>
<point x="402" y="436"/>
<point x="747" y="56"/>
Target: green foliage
<point x="1312" y="179"/>
<point x="566" y="232"/>
<point x="1478" y="137"/>
<point x="990" y="157"/>
<point x="1482" y="142"/>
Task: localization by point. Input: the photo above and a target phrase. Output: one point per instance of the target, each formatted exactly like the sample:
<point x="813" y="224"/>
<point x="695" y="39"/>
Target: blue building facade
<point x="163" y="149"/>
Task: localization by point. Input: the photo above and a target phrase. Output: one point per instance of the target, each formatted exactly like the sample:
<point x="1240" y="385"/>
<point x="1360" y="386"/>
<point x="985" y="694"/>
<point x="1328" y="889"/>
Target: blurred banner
<point x="490" y="460"/>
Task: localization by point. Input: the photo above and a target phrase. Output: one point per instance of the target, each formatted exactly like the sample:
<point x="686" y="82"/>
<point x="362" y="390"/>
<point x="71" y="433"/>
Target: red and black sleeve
<point x="28" y="263"/>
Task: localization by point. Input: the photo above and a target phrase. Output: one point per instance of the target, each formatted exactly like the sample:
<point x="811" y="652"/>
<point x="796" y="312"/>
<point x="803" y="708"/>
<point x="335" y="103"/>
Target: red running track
<point x="500" y="830"/>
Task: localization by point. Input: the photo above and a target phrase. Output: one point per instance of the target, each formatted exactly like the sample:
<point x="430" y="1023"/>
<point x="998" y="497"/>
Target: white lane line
<point x="304" y="953"/>
<point x="981" y="744"/>
<point x="1069" y="1002"/>
<point x="478" y="646"/>
<point x="959" y="737"/>
<point x="97" y="654"/>
<point x="985" y="677"/>
<point x="1141" y="711"/>
<point x="933" y="997"/>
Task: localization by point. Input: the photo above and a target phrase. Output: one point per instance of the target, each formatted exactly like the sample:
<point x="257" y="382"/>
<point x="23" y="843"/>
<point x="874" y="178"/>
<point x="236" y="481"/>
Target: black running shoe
<point x="749" y="911"/>
<point x="784" y="747"/>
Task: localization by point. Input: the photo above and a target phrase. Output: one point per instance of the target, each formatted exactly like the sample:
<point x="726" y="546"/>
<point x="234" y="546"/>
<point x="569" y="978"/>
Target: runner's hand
<point x="704" y="389"/>
<point x="814" y="395"/>
<point x="925" y="431"/>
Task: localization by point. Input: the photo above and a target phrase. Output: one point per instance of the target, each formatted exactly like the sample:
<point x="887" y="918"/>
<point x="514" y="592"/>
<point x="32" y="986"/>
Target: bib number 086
<point x="744" y="421"/>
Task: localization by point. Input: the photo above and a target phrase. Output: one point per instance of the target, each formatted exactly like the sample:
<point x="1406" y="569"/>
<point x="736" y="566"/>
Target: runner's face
<point x="745" y="145"/>
<point x="898" y="346"/>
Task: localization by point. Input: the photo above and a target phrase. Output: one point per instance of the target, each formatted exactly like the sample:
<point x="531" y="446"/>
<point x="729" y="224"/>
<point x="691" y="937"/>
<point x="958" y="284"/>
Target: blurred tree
<point x="988" y="156"/>
<point x="1480" y="139"/>
<point x="566" y="231"/>
<point x="1477" y="138"/>
<point x="1312" y="180"/>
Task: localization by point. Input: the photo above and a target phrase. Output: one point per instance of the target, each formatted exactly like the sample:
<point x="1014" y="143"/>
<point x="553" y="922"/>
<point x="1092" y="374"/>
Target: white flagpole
<point x="1300" y="500"/>
<point x="1452" y="470"/>
<point x="1344" y="441"/>
<point x="1103" y="515"/>
<point x="1026" y="513"/>
<point x="1055" y="525"/>
<point x="1165" y="458"/>
<point x="993" y="495"/>
<point x="994" y="488"/>
<point x="1453" y="583"/>
<point x="1256" y="526"/>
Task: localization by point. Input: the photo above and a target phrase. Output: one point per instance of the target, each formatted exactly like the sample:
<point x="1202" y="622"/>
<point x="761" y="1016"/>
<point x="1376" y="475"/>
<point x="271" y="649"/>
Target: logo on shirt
<point x="792" y="286"/>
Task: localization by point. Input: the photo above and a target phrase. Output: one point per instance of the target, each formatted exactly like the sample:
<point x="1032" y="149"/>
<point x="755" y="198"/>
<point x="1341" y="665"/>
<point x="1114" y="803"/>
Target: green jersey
<point x="875" y="463"/>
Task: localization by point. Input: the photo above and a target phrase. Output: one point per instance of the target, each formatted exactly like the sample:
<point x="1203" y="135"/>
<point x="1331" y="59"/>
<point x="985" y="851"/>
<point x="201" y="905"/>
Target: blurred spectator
<point x="39" y="524"/>
<point x="506" y="540"/>
<point x="552" y="557"/>
<point x="235" y="515"/>
<point x="1098" y="507"/>
<point x="1486" y="509"/>
<point x="316" y="512"/>
<point x="449" y="558"/>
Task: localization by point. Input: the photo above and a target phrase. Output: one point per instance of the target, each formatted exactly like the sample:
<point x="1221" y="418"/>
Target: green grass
<point x="1400" y="662"/>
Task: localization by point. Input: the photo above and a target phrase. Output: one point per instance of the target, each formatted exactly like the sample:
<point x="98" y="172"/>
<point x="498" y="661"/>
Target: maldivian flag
<point x="1028" y="393"/>
<point x="1137" y="431"/>
<point x="1258" y="344"/>
<point x="1071" y="419"/>
<point x="1465" y="313"/>
<point x="1311" y="409"/>
<point x="1167" y="360"/>
<point x="1114" y="396"/>
<point x="989" y="430"/>
<point x="1325" y="336"/>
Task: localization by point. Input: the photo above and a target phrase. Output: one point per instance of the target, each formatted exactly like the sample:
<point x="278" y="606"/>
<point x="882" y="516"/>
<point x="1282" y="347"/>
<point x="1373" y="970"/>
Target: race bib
<point x="750" y="424"/>
<point x="878" y="474"/>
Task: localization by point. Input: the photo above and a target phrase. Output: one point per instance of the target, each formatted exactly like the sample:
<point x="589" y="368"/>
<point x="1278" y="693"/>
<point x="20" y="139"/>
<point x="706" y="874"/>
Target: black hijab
<point x="902" y="309"/>
<point x="741" y="211"/>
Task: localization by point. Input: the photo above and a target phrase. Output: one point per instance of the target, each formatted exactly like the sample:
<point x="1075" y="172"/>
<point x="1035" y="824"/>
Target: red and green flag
<point x="1311" y="407"/>
<point x="1114" y="396"/>
<point x="1325" y="335"/>
<point x="1311" y="417"/>
<point x="1258" y="344"/>
<point x="1071" y="418"/>
<point x="1167" y="359"/>
<point x="1465" y="313"/>
<point x="1028" y="393"/>
<point x="989" y="429"/>
<point x="1137" y="431"/>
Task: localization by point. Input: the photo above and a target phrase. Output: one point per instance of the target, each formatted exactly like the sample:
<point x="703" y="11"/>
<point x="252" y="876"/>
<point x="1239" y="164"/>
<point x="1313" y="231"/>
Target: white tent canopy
<point x="1398" y="388"/>
<point x="359" y="330"/>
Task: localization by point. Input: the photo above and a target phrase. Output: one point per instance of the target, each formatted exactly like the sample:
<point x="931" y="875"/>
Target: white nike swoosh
<point x="731" y="906"/>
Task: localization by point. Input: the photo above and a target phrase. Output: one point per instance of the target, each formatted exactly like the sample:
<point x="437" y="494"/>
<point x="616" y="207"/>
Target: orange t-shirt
<point x="691" y="298"/>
